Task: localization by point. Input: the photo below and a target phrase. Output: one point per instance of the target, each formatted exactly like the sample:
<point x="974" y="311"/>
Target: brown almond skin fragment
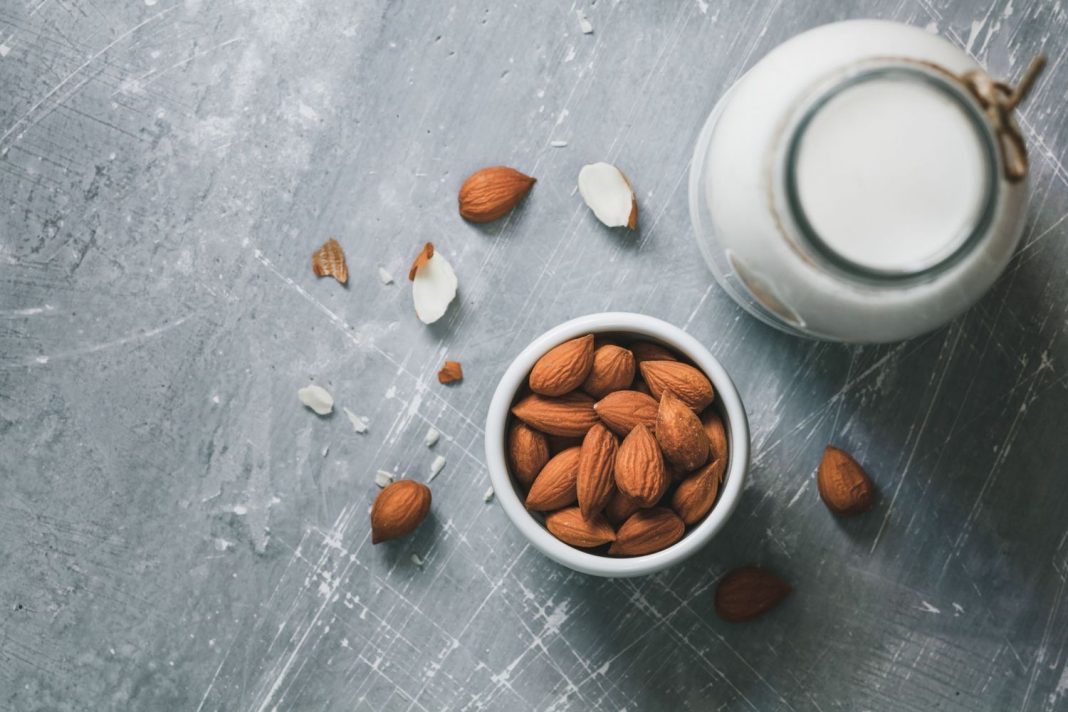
<point x="329" y="261"/>
<point x="647" y="531"/>
<point x="620" y="507"/>
<point x="748" y="592"/>
<point x="451" y="372"/>
<point x="613" y="370"/>
<point x="569" y="415"/>
<point x="696" y="494"/>
<point x="398" y="509"/>
<point x="622" y="410"/>
<point x="687" y="382"/>
<point x="716" y="432"/>
<point x="648" y="351"/>
<point x="844" y="486"/>
<point x="554" y="487"/>
<point x="528" y="451"/>
<point x="489" y="194"/>
<point x="639" y="467"/>
<point x="563" y="368"/>
<point x="596" y="470"/>
<point x="680" y="434"/>
<point x="571" y="527"/>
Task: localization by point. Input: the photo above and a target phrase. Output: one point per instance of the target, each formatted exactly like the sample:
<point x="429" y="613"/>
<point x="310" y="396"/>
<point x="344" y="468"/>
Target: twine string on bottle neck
<point x="998" y="100"/>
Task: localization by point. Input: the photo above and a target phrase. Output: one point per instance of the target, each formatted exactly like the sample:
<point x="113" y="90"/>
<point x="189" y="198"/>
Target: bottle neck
<point x="888" y="173"/>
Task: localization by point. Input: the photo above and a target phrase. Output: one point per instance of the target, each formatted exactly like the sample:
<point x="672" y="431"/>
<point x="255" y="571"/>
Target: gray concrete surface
<point x="177" y="532"/>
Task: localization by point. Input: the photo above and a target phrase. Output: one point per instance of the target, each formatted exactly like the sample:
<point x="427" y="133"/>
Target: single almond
<point x="622" y="410"/>
<point x="398" y="509"/>
<point x="528" y="451"/>
<point x="451" y="372"/>
<point x="329" y="260"/>
<point x="648" y="351"/>
<point x="554" y="487"/>
<point x="688" y="383"/>
<point x="679" y="432"/>
<point x="647" y="531"/>
<point x="696" y="494"/>
<point x="572" y="527"/>
<point x="612" y="370"/>
<point x="491" y="192"/>
<point x="640" y="467"/>
<point x="563" y="368"/>
<point x="570" y="415"/>
<point x="747" y="592"/>
<point x="596" y="470"/>
<point x="620" y="507"/>
<point x="844" y="486"/>
<point x="716" y="432"/>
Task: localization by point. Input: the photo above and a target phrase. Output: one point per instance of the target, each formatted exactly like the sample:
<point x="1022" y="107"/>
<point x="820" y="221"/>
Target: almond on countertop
<point x="488" y="194"/>
<point x="679" y="432"/>
<point x="398" y="509"/>
<point x="747" y="592"/>
<point x="844" y="486"/>
<point x="563" y="368"/>
<point x="451" y="372"/>
<point x="640" y="467"/>
<point x="570" y="415"/>
<point x="329" y="261"/>
<point x="622" y="410"/>
<point x="647" y="531"/>
<point x="687" y="382"/>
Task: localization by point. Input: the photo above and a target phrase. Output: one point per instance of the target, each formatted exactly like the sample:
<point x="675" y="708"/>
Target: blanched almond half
<point x="563" y="368"/>
<point x="433" y="285"/>
<point x="609" y="195"/>
<point x="569" y="526"/>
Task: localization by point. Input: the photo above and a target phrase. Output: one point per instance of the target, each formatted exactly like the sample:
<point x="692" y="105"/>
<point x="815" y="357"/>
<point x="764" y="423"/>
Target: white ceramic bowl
<point x="531" y="524"/>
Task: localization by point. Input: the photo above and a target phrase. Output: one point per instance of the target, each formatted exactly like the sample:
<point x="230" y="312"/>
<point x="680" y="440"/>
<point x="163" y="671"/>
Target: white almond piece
<point x="433" y="289"/>
<point x="488" y="495"/>
<point x="436" y="466"/>
<point x="558" y="144"/>
<point x="317" y="398"/>
<point x="359" y="423"/>
<point x="608" y="194"/>
<point x="385" y="276"/>
<point x="584" y="23"/>
<point x="417" y="560"/>
<point x="431" y="438"/>
<point x="383" y="478"/>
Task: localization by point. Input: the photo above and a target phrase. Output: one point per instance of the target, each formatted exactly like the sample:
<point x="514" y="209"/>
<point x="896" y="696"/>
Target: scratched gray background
<point x="177" y="532"/>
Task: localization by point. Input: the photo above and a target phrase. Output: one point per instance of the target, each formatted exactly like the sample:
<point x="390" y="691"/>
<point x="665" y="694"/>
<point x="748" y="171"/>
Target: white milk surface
<point x="891" y="174"/>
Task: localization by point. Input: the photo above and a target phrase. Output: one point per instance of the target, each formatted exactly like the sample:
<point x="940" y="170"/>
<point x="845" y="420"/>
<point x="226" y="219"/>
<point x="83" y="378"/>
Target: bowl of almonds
<point x="617" y="444"/>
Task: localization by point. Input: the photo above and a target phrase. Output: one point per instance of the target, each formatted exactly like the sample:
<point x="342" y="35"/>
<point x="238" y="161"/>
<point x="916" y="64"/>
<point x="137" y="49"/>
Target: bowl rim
<point x="735" y="421"/>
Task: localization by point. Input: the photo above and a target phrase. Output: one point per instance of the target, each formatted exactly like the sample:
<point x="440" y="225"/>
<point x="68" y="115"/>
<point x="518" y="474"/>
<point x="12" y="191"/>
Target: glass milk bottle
<point x="864" y="182"/>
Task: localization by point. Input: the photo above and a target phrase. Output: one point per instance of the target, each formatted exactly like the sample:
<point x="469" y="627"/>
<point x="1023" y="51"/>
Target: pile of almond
<point x="618" y="444"/>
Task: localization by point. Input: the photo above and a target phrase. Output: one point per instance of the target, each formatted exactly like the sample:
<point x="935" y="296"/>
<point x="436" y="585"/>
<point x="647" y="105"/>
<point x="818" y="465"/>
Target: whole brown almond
<point x="696" y="494"/>
<point x="563" y="368"/>
<point x="716" y="432"/>
<point x="648" y="351"/>
<point x="596" y="470"/>
<point x="572" y="527"/>
<point x="688" y="383"/>
<point x="398" y="509"/>
<point x="490" y="193"/>
<point x="554" y="487"/>
<point x="613" y="370"/>
<point x="619" y="507"/>
<point x="747" y="592"/>
<point x="844" y="486"/>
<point x="640" y="467"/>
<point x="679" y="432"/>
<point x="528" y="451"/>
<point x="570" y="415"/>
<point x="647" y="531"/>
<point x="622" y="410"/>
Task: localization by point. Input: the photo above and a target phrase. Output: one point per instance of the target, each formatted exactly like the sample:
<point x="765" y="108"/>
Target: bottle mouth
<point x="890" y="172"/>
